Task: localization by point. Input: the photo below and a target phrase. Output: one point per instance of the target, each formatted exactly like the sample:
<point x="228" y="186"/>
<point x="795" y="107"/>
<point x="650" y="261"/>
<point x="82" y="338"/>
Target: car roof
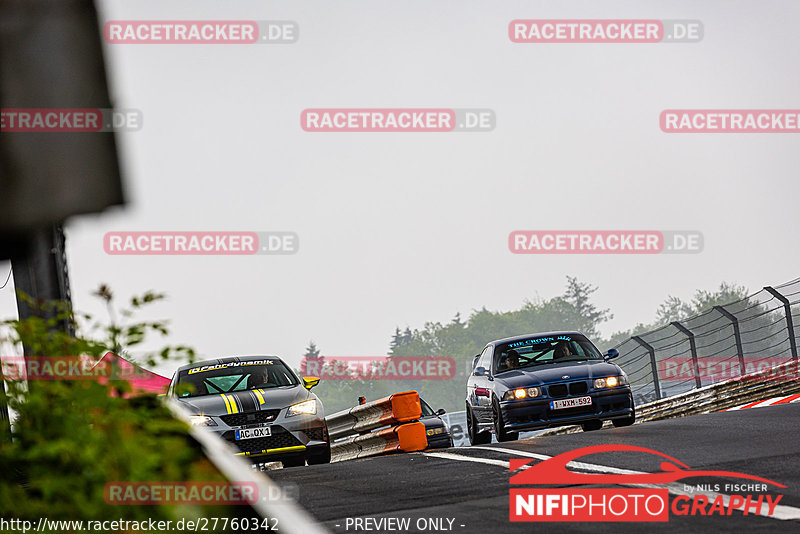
<point x="228" y="359"/>
<point x="538" y="334"/>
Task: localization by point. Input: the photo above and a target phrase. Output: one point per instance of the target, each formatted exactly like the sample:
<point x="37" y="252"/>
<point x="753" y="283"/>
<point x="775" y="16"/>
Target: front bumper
<point x="535" y="414"/>
<point x="440" y="441"/>
<point x="291" y="436"/>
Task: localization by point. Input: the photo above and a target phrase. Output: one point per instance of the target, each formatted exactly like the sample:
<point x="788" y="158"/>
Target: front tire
<point x="475" y="436"/>
<point x="294" y="462"/>
<point x="320" y="456"/>
<point x="627" y="421"/>
<point x="589" y="426"/>
<point x="499" y="425"/>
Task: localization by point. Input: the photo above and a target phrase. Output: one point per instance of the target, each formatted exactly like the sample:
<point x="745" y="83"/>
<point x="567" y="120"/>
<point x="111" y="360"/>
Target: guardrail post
<point x="736" y="334"/>
<point x="5" y="421"/>
<point x="787" y="307"/>
<point x="652" y="352"/>
<point x="695" y="364"/>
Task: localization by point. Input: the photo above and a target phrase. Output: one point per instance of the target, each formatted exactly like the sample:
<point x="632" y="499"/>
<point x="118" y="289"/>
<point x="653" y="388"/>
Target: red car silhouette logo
<point x="554" y="470"/>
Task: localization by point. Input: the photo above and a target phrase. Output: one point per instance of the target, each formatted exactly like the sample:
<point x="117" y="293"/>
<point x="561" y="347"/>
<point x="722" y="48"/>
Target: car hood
<point x="534" y="376"/>
<point x="247" y="401"/>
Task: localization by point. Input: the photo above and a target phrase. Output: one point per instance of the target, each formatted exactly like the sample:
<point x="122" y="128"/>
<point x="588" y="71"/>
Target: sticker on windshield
<point x="205" y="368"/>
<point x="538" y="341"/>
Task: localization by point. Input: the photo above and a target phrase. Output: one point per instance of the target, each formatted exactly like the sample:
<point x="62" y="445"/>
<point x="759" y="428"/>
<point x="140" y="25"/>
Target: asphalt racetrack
<point x="467" y="489"/>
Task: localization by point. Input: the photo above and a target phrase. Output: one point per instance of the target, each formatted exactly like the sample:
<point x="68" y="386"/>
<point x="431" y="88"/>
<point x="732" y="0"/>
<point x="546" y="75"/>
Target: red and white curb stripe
<point x="768" y="402"/>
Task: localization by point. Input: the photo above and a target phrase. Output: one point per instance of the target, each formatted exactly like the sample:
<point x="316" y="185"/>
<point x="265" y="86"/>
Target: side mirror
<point x="480" y="371"/>
<point x="440" y="411"/>
<point x="310" y="382"/>
<point x="611" y="354"/>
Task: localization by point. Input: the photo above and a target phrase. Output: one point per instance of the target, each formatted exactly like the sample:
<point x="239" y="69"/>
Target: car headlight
<point x="202" y="420"/>
<point x="308" y="407"/>
<point x="521" y="393"/>
<point x="610" y="382"/>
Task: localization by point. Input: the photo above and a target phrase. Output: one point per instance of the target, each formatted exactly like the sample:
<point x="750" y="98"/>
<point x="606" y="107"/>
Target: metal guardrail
<point x="354" y="427"/>
<point x="408" y="437"/>
<point x="272" y="502"/>
<point x="780" y="380"/>
<point x="403" y="407"/>
<point x="719" y="344"/>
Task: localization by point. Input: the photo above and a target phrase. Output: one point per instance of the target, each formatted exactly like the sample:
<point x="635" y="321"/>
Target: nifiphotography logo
<point x="644" y="500"/>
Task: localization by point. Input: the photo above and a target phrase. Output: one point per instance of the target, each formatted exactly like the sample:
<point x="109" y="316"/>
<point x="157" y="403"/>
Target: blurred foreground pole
<point x="50" y="57"/>
<point x="41" y="273"/>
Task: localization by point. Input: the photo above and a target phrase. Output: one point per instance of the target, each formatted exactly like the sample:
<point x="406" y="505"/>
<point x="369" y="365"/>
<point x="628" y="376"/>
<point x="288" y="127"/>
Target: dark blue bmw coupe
<point x="544" y="380"/>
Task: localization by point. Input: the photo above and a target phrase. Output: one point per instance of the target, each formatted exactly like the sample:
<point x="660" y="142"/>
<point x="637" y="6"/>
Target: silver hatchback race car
<point x="259" y="404"/>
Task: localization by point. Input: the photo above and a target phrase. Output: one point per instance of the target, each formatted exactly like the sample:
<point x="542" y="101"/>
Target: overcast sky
<point x="397" y="229"/>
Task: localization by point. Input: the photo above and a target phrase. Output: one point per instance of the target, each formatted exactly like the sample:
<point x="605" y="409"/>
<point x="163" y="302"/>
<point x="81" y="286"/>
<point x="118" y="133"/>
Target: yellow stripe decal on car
<point x="296" y="448"/>
<point x="227" y="404"/>
<point x="259" y="395"/>
<point x="234" y="406"/>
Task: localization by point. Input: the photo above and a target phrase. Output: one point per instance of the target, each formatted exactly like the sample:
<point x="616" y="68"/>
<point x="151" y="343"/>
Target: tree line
<point x="462" y="339"/>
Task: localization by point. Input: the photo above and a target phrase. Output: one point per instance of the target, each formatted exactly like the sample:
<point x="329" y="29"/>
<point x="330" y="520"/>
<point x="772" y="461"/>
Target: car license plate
<point x="251" y="433"/>
<point x="570" y="403"/>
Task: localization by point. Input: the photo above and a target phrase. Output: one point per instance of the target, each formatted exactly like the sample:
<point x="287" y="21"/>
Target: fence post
<point x="736" y="334"/>
<point x="787" y="311"/>
<point x="695" y="364"/>
<point x="652" y="352"/>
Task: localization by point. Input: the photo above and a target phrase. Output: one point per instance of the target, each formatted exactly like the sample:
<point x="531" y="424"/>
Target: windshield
<point x="543" y="350"/>
<point x="426" y="409"/>
<point x="233" y="376"/>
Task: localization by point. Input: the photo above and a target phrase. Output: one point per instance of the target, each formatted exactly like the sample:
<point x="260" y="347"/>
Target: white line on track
<point x="774" y="401"/>
<point x="462" y="458"/>
<point x="575" y="465"/>
<point x="786" y="513"/>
